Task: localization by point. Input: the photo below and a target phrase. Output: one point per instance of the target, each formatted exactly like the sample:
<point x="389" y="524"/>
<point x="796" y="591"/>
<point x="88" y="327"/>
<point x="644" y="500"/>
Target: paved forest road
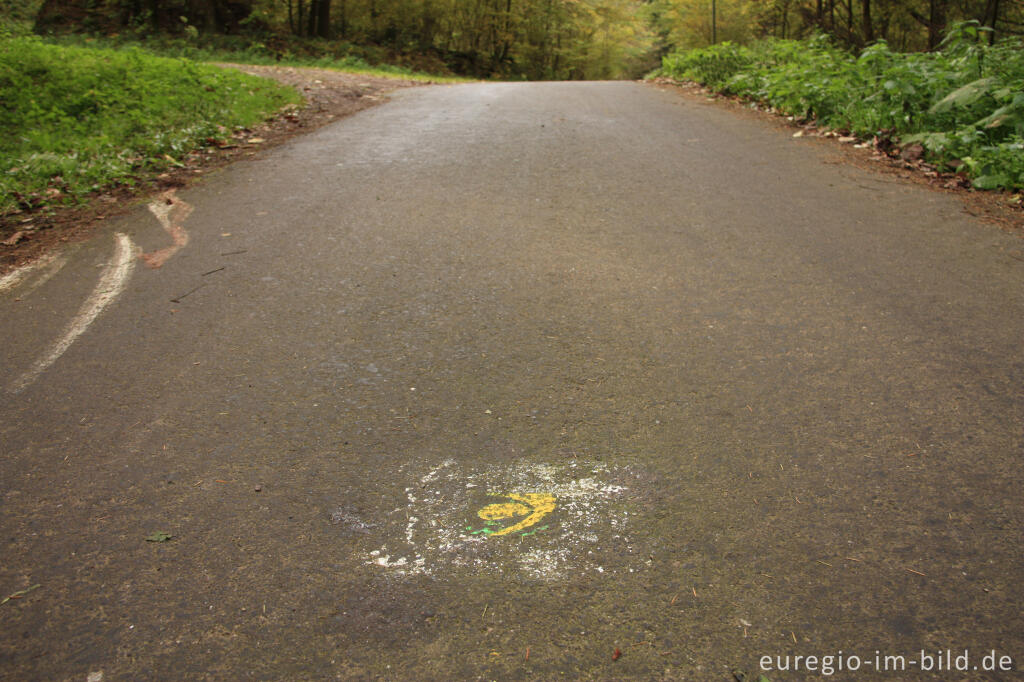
<point x="496" y="379"/>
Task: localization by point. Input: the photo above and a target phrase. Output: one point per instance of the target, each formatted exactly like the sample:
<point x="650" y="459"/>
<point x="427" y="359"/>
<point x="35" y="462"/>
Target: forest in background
<point x="515" y="39"/>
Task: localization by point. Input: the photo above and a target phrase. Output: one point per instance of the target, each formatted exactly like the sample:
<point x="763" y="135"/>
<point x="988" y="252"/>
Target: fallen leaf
<point x="912" y="152"/>
<point x="14" y="238"/>
<point x="159" y="536"/>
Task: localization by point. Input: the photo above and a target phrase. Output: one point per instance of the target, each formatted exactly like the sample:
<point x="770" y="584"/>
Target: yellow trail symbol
<point x="534" y="506"/>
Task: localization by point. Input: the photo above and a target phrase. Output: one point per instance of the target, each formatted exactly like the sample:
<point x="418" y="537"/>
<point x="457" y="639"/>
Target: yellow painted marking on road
<point x="534" y="506"/>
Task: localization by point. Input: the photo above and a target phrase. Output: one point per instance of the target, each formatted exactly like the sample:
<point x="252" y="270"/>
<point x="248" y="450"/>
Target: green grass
<point x="964" y="104"/>
<point x="74" y="120"/>
<point x="267" y="51"/>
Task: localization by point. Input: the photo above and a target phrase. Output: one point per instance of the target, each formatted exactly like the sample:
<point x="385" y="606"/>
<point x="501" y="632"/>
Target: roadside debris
<point x="19" y="594"/>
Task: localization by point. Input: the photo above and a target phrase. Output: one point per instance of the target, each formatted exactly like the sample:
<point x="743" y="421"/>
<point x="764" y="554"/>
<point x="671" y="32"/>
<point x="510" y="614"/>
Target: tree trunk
<point x="850" y="37"/>
<point x="714" y="22"/>
<point x="869" y="31"/>
<point x="991" y="19"/>
<point x="319" y="19"/>
<point x="323" y="21"/>
<point x="936" y="22"/>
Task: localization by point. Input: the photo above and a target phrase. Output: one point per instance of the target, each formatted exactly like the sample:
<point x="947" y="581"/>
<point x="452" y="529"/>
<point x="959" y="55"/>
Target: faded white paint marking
<point x="49" y="264"/>
<point x="437" y="532"/>
<point x="170" y="212"/>
<point x="14" y="277"/>
<point x="111" y="283"/>
<point x="51" y="269"/>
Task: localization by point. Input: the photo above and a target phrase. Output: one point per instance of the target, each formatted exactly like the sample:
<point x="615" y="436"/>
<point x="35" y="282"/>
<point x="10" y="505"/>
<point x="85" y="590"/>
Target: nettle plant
<point x="964" y="103"/>
<point x="981" y="122"/>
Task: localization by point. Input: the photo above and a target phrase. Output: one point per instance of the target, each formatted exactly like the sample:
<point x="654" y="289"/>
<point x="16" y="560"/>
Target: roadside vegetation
<point x="98" y="93"/>
<point x="75" y="120"/>
<point x="504" y="39"/>
<point x="964" y="104"/>
<point x="302" y="52"/>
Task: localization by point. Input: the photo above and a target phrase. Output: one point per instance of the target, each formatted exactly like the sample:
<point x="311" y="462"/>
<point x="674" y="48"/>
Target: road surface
<point x="519" y="381"/>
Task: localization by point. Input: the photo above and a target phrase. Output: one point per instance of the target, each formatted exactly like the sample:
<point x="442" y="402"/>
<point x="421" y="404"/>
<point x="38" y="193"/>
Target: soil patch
<point x="329" y="95"/>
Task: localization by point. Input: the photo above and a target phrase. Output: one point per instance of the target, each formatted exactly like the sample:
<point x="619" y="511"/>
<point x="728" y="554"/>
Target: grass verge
<point x="74" y="120"/>
<point x="964" y="104"/>
<point x="268" y="51"/>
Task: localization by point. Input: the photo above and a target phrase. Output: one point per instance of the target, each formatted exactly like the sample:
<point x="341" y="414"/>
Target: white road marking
<point x="111" y="284"/>
<point x="51" y="263"/>
<point x="441" y="529"/>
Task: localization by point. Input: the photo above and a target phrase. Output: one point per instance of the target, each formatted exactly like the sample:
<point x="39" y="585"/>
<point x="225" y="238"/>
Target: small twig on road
<point x="19" y="594"/>
<point x="187" y="293"/>
<point x="213" y="271"/>
<point x="915" y="572"/>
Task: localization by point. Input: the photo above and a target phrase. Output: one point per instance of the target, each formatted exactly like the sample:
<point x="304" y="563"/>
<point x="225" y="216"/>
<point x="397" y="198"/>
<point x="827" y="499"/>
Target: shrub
<point x="965" y="102"/>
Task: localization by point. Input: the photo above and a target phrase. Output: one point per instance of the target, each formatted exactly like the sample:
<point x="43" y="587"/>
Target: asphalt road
<point x="519" y="381"/>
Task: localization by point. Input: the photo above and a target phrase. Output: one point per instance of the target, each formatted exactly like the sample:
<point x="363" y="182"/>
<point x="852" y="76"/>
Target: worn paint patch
<point x="170" y="212"/>
<point x="43" y="269"/>
<point x="531" y="521"/>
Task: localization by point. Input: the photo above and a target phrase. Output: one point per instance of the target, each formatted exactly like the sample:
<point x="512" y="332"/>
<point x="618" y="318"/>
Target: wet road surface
<point x="518" y="381"/>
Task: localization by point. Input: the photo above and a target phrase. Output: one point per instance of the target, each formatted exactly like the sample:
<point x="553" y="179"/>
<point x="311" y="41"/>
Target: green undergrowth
<point x="963" y="104"/>
<point x="272" y="50"/>
<point x="74" y="120"/>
